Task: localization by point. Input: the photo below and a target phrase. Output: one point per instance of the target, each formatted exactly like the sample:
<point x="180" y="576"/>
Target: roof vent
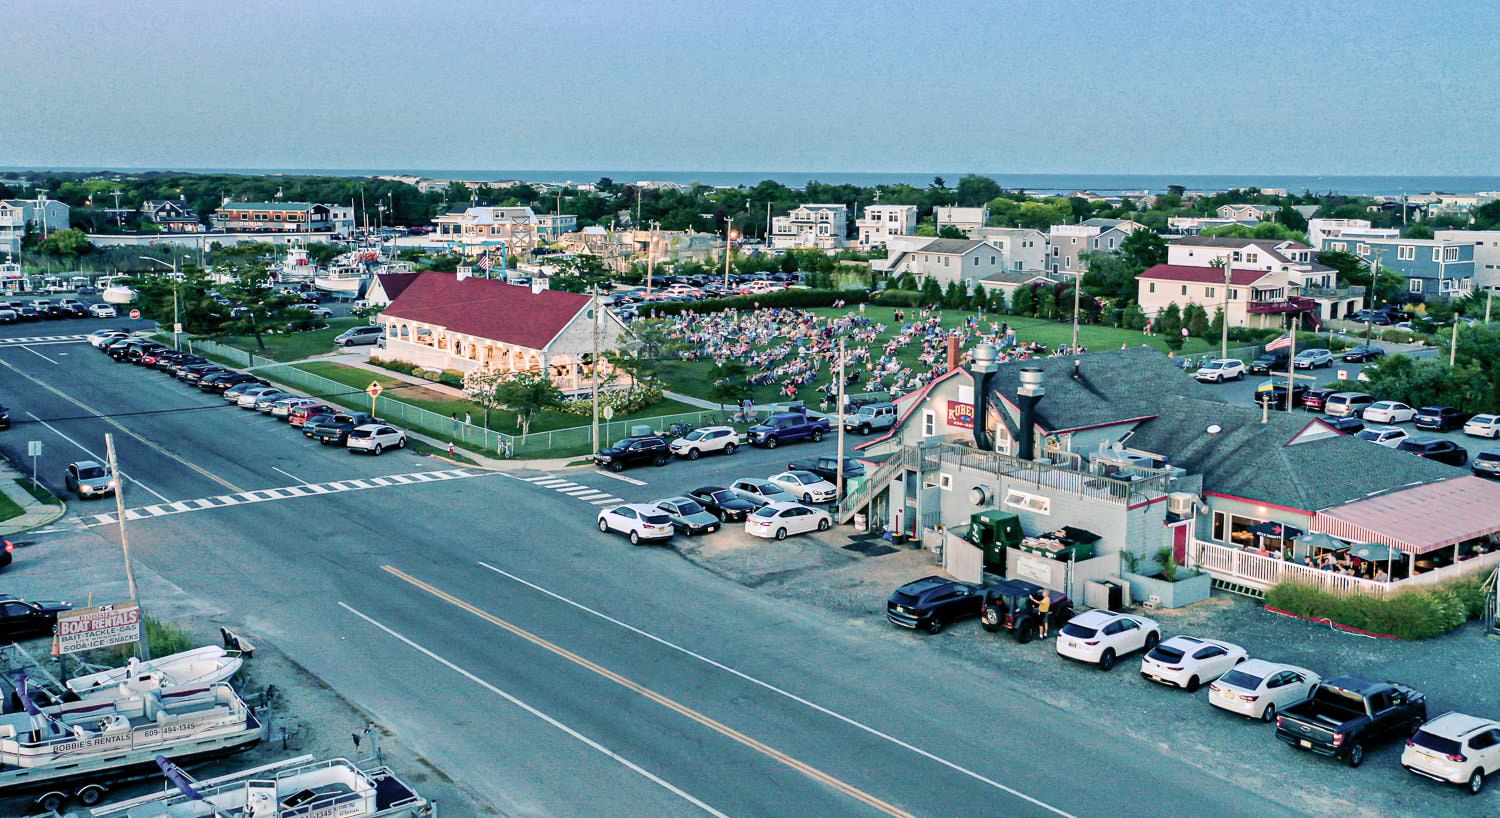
<point x="1215" y="429"/>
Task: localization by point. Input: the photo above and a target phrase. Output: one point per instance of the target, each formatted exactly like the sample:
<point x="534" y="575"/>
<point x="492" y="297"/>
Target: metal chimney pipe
<point x="1028" y="396"/>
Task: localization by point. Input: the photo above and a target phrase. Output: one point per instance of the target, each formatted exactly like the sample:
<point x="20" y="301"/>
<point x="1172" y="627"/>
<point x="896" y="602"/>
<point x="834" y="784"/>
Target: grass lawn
<point x="692" y="377"/>
<point x="8" y="508"/>
<point x="40" y="492"/>
<point x="297" y="345"/>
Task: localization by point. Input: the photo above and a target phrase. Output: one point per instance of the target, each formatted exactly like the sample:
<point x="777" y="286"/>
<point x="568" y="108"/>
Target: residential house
<point x="475" y="230"/>
<point x="440" y="321"/>
<point x="341" y="220"/>
<point x="552" y="226"/>
<point x="1272" y="278"/>
<point x="272" y="217"/>
<point x="43" y="215"/>
<point x="171" y="215"/>
<point x="1319" y="230"/>
<point x="966" y="219"/>
<point x="1022" y="249"/>
<point x="1067" y="243"/>
<point x="1486" y="254"/>
<point x="1193" y="225"/>
<point x="12" y="229"/>
<point x="1433" y="268"/>
<point x="1009" y="281"/>
<point x="880" y="222"/>
<point x="1247" y="212"/>
<point x="947" y="260"/>
<point x="821" y="226"/>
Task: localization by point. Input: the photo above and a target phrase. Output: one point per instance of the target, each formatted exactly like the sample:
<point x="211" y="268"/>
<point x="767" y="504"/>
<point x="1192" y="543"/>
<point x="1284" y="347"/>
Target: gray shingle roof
<point x="954" y="246"/>
<point x="1246" y="458"/>
<point x="1112" y="386"/>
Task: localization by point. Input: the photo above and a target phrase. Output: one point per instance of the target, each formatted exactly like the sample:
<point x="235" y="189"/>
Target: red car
<point x="300" y="414"/>
<point x="1314" y="398"/>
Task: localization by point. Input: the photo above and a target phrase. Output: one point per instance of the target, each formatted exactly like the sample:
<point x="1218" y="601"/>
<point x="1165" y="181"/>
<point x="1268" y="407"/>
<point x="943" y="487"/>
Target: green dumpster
<point x="993" y="532"/>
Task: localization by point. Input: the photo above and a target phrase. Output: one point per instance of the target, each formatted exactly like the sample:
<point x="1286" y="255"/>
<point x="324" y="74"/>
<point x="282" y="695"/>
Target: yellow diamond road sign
<point x="373" y="390"/>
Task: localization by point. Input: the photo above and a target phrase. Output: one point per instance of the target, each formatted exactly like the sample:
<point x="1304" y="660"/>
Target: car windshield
<point x="688" y="507"/>
<point x="1214" y="365"/>
<point x="1079" y="631"/>
<point x="1241" y="679"/>
<point x="696" y="434"/>
<point x="1369" y="434"/>
<point x="766" y="511"/>
<point x="656" y="519"/>
<point x="1446" y="746"/>
<point x="91" y="472"/>
<point x="724" y="496"/>
<point x="1488" y="457"/>
<point x="1166" y="653"/>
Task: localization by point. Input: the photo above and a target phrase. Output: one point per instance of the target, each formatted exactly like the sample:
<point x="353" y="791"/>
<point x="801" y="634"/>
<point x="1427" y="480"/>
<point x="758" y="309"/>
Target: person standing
<point x="1043" y="602"/>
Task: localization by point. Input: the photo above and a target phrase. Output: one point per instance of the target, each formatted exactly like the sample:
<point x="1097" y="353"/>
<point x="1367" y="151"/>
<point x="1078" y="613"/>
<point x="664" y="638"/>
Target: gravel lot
<point x="1454" y="670"/>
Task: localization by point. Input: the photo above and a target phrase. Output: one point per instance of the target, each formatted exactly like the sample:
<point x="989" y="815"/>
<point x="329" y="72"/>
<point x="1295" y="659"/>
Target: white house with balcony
<point x="948" y="260"/>
<point x="964" y="219"/>
<point x="1022" y="249"/>
<point x="1288" y="280"/>
<point x="473" y="231"/>
<point x="820" y="226"/>
<point x="880" y="222"/>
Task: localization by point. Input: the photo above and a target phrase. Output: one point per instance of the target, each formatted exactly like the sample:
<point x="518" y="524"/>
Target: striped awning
<point x="1418" y="519"/>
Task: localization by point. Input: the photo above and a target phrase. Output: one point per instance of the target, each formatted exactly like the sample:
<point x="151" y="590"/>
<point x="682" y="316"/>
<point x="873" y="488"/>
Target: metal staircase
<point x="878" y="480"/>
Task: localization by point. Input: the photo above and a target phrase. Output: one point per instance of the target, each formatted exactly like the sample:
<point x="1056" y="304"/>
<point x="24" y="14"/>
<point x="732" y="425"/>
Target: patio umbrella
<point x="1319" y="540"/>
<point x="1374" y="551"/>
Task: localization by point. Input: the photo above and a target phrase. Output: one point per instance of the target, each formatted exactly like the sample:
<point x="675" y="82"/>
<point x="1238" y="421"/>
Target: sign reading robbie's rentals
<point x="99" y="627"/>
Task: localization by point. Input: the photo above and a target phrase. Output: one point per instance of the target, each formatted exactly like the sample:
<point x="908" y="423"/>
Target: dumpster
<point x="993" y="532"/>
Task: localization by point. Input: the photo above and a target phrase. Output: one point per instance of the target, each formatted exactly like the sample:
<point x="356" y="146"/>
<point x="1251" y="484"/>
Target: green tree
<point x="1046" y="304"/>
<point x="907" y="281"/>
<point x="1195" y="318"/>
<point x="789" y="263"/>
<point x="1133" y="317"/>
<point x="1144" y="247"/>
<point x="322" y="252"/>
<point x="729" y="383"/>
<point x="932" y="292"/>
<point x="955" y="298"/>
<point x="526" y="394"/>
<point x="948" y="231"/>
<point x="975" y="191"/>
<point x="1111" y="275"/>
<point x="579" y="274"/>
<point x="258" y="309"/>
<point x="71" y="242"/>
<point x="1291" y="218"/>
<point x="1215" y="327"/>
<point x="1023" y="301"/>
<point x="997" y="302"/>
<point x="1418" y="230"/>
<point x="1169" y="325"/>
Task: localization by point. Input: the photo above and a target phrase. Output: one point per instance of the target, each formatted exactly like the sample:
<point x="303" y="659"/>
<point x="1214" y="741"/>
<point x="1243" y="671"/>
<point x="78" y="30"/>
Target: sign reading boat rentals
<point x="99" y="627"/>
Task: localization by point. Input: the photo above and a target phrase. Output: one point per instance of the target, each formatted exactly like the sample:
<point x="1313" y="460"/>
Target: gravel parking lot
<point x="1454" y="670"/>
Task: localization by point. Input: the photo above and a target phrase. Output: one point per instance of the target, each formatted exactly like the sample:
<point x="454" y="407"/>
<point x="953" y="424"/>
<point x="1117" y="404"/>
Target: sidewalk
<point x="35" y="514"/>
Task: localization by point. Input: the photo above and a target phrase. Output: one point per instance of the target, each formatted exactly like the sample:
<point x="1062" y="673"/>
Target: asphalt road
<point x="553" y="670"/>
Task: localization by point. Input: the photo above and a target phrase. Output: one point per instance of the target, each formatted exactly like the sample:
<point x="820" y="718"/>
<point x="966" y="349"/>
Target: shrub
<point x="800" y="297"/>
<point x="899" y="298"/>
<point x="623" y="401"/>
<point x="1416" y="614"/>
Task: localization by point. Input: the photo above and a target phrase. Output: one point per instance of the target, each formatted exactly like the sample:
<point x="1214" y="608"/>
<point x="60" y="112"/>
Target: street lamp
<point x="176" y="320"/>
<point x="729" y="236"/>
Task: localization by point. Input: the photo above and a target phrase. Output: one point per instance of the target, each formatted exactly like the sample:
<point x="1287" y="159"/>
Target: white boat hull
<point x="338" y="285"/>
<point x="202" y="666"/>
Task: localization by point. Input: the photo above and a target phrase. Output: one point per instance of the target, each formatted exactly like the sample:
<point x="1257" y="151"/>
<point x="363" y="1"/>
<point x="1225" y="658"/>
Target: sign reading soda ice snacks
<point x="99" y="627"/>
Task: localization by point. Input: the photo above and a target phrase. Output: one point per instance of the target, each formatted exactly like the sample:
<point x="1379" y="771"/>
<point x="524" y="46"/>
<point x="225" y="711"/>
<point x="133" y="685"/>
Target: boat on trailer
<point x="207" y="665"/>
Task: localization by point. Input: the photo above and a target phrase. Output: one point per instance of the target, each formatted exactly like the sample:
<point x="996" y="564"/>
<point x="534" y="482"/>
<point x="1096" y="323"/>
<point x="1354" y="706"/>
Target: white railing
<point x="1245" y="568"/>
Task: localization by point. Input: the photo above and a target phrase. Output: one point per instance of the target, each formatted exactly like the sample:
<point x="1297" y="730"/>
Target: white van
<point x="1347" y="404"/>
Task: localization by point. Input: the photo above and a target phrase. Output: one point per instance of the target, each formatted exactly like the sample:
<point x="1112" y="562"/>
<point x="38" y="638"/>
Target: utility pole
<point x="594" y="362"/>
<point x="114" y="475"/>
<point x="1291" y="364"/>
<point x="119" y="220"/>
<point x="1489" y="300"/>
<point x="1224" y="313"/>
<point x="1453" y="345"/>
<point x="728" y="239"/>
<point x="650" y="257"/>
<point x="176" y="317"/>
<point x="838" y="482"/>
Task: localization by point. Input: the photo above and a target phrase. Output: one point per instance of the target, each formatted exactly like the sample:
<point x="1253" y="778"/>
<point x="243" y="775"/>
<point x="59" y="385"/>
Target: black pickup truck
<point x="337" y="429"/>
<point x="1347" y="714"/>
<point x="828" y="467"/>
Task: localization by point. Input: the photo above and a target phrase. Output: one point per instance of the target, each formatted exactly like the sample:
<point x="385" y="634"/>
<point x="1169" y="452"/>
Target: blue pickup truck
<point x="787" y="427"/>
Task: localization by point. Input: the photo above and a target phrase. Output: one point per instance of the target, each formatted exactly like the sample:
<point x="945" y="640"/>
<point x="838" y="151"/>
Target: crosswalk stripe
<point x="551" y="482"/>
<point x="592" y="495"/>
<point x="154" y="511"/>
<point x="608" y="501"/>
<point x="359" y="484"/>
<point x="227" y="500"/>
<point x="379" y="481"/>
<point x="578" y="490"/>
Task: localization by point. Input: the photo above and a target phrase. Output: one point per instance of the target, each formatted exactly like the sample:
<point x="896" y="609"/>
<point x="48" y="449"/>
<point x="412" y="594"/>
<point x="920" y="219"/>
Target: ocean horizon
<point x="1043" y="183"/>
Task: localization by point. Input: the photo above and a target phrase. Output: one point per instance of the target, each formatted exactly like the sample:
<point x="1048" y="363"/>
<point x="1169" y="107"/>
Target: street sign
<point x="609" y="412"/>
<point x="100" y="627"/>
<point x="135" y="315"/>
<point x="1343" y="374"/>
<point x="33" y="448"/>
<point x="373" y="390"/>
<point x="177" y="329"/>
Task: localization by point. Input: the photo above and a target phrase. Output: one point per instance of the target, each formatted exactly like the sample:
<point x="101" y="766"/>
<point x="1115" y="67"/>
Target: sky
<point x="1275" y="86"/>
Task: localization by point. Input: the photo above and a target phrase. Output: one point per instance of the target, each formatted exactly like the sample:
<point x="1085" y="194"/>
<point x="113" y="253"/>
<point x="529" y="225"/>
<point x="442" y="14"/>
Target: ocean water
<point x="1042" y="183"/>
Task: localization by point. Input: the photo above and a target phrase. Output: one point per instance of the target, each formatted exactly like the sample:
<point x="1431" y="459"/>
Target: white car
<point x="319" y="312"/>
<point x="1387" y="436"/>
<point x="283" y="407"/>
<point x="761" y="492"/>
<point x="101" y="338"/>
<point x="249" y="397"/>
<point x="103" y="311"/>
<point x="640" y="522"/>
<point x="1389" y="411"/>
<point x="1101" y="637"/>
<point x="1483" y="426"/>
<point x="780" y="520"/>
<point x="1187" y="661"/>
<point x="375" y="438"/>
<point x="1221" y="370"/>
<point x="1257" y="689"/>
<point x="709" y="439"/>
<point x="1455" y="749"/>
<point x="806" y="486"/>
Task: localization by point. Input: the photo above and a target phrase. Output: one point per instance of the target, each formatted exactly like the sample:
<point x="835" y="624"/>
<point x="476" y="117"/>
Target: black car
<point x="223" y="381"/>
<point x="180" y="360"/>
<point x="633" y="451"/>
<point x="20" y="619"/>
<point x="1435" y="448"/>
<point x="7" y="552"/>
<point x="1276" y="396"/>
<point x="1486" y="464"/>
<point x="28" y="313"/>
<point x="197" y="372"/>
<point x="1008" y="605"/>
<point x="723" y="503"/>
<point x="1347" y="714"/>
<point x="1362" y="353"/>
<point x="1378" y="318"/>
<point x="828" y="467"/>
<point x="4" y="417"/>
<point x="932" y="602"/>
<point x="1439" y="418"/>
<point x="1345" y="426"/>
<point x="1269" y="362"/>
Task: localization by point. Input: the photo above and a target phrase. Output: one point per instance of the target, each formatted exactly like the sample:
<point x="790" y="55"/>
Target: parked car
<point x="782" y="519"/>
<point x="220" y="379"/>
<point x="1483" y="426"/>
<point x="335" y="431"/>
<point x="633" y="451"/>
<point x="4" y="417"/>
<point x="1455" y="749"/>
<point x="283" y="408"/>
<point x="7" y="552"/>
<point x="872" y="417"/>
<point x="195" y="374"/>
<point x="9" y="316"/>
<point x="1188" y="661"/>
<point x="100" y="338"/>
<point x="1220" y="370"/>
<point x="1346" y="715"/>
<point x="787" y="427"/>
<point x="20" y="620"/>
<point x="1346" y="404"/>
<point x="932" y="603"/>
<point x="1345" y="426"/>
<point x="827" y="467"/>
<point x="1374" y="317"/>
<point x="640" y="522"/>
<point x="1313" y="359"/>
<point x="89" y="478"/>
<point x="359" y="336"/>
<point x="26" y="312"/>
<point x="1388" y="411"/>
<point x="1439" y="418"/>
<point x="299" y="415"/>
<point x="1486" y="464"/>
<point x="707" y="440"/>
<point x="266" y="401"/>
<point x="1362" y="353"/>
<point x="1387" y="436"/>
<point x="1258" y="689"/>
<point x="311" y="424"/>
<point x="374" y="438"/>
<point x="249" y="395"/>
<point x="761" y="492"/>
<point x="723" y="503"/>
<point x="1274" y="394"/>
<point x="103" y="311"/>
<point x="806" y="486"/>
<point x="1315" y="396"/>
<point x="1101" y="637"/>
<point x="688" y="515"/>
<point x="1008" y="605"/>
<point x="1436" y="448"/>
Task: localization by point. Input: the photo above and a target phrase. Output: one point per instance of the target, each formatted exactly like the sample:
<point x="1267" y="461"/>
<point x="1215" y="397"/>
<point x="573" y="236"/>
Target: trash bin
<point x="861" y="522"/>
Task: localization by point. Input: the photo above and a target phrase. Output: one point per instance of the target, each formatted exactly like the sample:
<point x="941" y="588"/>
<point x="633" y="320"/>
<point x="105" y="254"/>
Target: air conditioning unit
<point x="1181" y="503"/>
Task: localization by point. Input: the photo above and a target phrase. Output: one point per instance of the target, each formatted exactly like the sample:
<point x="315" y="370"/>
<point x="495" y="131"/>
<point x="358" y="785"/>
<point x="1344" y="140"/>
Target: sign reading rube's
<point x="99" y="627"/>
<point x="960" y="415"/>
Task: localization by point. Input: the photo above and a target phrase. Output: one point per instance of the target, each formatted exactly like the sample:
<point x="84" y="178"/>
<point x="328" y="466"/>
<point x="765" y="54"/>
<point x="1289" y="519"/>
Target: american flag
<point x="484" y="262"/>
<point x="1280" y="343"/>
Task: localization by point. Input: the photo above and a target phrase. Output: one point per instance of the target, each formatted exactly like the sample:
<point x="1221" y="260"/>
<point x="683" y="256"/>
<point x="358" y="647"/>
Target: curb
<point x="1332" y="624"/>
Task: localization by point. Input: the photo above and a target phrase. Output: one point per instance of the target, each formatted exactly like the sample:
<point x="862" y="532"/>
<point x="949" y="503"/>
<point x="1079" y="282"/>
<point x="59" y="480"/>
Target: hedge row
<point x="448" y="377"/>
<point x="1415" y="614"/>
<point x="780" y="298"/>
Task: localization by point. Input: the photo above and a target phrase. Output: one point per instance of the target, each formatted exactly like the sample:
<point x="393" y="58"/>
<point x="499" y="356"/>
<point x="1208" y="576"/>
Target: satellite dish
<point x="1215" y="429"/>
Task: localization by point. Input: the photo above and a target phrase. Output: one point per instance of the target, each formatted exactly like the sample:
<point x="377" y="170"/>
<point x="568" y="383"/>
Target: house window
<point x="929" y="423"/>
<point x="1364" y="249"/>
<point x="1055" y="252"/>
<point x="976" y="260"/>
<point x="1338" y="246"/>
<point x="1221" y="523"/>
<point x="1184" y="289"/>
<point x="1073" y="240"/>
<point x="1208" y="292"/>
<point x="1233" y="294"/>
<point x="992" y="262"/>
<point x="1437" y="254"/>
<point x="1150" y="287"/>
<point x="1414" y="285"/>
<point x="1251" y="258"/>
<point x="1237" y="256"/>
<point x="1111" y="244"/>
<point x="1028" y="502"/>
<point x="1450" y="254"/>
<point x="1406" y="252"/>
<point x="945" y="481"/>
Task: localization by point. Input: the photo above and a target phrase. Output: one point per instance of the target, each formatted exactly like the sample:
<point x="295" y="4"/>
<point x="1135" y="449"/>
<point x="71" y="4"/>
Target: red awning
<point x="1419" y="519"/>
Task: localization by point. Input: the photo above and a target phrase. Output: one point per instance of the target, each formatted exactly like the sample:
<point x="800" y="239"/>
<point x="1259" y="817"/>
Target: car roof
<point x="1264" y="667"/>
<point x="1457" y="725"/>
<point x="84" y="464"/>
<point x="1094" y="619"/>
<point x="637" y="507"/>
<point x="1014" y="587"/>
<point x="918" y="586"/>
<point x="781" y="505"/>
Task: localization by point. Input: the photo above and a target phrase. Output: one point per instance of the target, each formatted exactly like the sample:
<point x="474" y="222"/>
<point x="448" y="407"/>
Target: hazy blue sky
<point x="1276" y="86"/>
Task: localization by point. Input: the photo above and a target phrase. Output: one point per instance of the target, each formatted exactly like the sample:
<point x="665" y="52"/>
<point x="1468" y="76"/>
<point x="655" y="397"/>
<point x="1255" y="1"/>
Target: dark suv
<point x="633" y="451"/>
<point x="932" y="602"/>
<point x="1435" y="448"/>
<point x="1439" y="418"/>
<point x="1269" y="362"/>
<point x="1008" y="606"/>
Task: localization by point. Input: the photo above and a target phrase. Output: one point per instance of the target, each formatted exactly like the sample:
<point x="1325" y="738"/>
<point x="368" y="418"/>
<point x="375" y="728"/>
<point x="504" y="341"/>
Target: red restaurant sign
<point x="960" y="415"/>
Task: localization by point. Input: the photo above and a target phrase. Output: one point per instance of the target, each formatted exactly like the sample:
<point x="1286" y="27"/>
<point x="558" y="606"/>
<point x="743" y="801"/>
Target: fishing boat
<point x="297" y="266"/>
<point x="296" y="788"/>
<point x="348" y="272"/>
<point x="207" y="665"/>
<point x="118" y="294"/>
